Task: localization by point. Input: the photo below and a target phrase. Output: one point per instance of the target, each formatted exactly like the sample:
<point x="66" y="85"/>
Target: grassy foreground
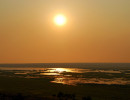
<point x="41" y="88"/>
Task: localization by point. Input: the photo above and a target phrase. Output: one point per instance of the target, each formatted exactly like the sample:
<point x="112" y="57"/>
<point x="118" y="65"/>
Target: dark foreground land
<point x="34" y="82"/>
<point x="13" y="88"/>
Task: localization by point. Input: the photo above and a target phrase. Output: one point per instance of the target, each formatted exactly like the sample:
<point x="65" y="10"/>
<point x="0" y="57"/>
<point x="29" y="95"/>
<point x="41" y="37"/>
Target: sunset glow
<point x="64" y="49"/>
<point x="60" y="31"/>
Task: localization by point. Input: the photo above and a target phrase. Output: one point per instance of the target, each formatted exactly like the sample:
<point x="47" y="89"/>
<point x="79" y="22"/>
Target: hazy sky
<point x="96" y="31"/>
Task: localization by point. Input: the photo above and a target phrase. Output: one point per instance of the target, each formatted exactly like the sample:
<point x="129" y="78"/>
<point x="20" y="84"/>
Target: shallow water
<point x="71" y="75"/>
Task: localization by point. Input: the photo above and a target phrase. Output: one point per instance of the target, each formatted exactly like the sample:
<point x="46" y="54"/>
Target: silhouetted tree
<point x="87" y="98"/>
<point x="73" y="96"/>
<point x="60" y="94"/>
<point x="54" y="95"/>
<point x="18" y="97"/>
<point x="84" y="98"/>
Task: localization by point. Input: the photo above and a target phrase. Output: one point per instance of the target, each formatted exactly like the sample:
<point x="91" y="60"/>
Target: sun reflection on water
<point x="70" y="76"/>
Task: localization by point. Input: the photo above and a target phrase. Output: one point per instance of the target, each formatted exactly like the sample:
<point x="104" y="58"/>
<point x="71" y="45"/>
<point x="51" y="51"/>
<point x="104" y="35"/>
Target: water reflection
<point x="75" y="81"/>
<point x="53" y="74"/>
<point x="71" y="76"/>
<point x="64" y="70"/>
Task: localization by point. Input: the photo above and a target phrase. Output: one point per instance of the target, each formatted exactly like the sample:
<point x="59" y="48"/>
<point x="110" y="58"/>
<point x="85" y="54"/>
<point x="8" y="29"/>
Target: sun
<point x="60" y="20"/>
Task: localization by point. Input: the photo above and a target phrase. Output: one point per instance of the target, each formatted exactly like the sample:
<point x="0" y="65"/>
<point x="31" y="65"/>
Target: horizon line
<point x="68" y="63"/>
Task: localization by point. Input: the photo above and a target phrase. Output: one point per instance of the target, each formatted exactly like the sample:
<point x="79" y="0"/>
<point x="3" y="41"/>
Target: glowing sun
<point x="60" y="20"/>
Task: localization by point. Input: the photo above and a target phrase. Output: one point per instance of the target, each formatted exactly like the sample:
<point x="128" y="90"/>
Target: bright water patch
<point x="97" y="74"/>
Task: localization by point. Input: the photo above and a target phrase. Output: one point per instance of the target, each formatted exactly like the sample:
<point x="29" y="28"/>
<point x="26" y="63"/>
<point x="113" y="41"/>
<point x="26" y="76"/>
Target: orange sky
<point x="96" y="31"/>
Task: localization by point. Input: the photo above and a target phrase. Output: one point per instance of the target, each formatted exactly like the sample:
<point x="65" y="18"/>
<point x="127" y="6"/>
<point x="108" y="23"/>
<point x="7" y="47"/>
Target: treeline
<point x="59" y="96"/>
<point x="64" y="96"/>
